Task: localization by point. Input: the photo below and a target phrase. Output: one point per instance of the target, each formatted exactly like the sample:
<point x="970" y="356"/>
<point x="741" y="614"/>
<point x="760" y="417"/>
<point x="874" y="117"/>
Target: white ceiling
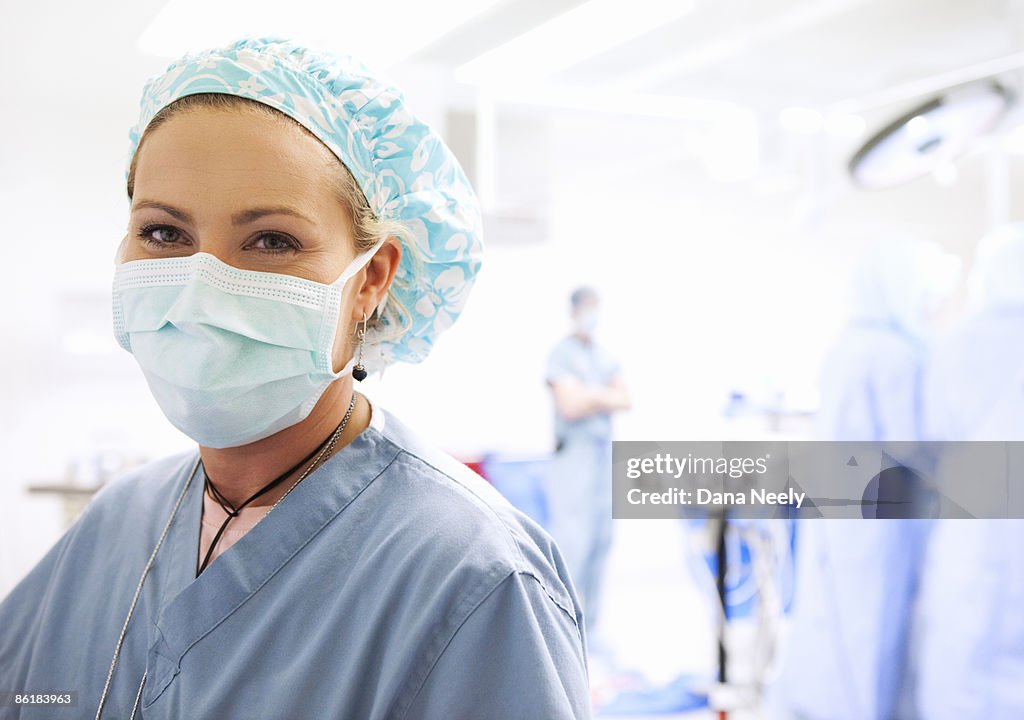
<point x="870" y="58"/>
<point x="764" y="55"/>
<point x="779" y="53"/>
<point x="792" y="52"/>
<point x="770" y="54"/>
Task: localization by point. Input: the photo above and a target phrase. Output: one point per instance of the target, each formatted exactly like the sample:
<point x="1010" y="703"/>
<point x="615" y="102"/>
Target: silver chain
<point x="328" y="448"/>
<point x="135" y="705"/>
<point x="138" y="590"/>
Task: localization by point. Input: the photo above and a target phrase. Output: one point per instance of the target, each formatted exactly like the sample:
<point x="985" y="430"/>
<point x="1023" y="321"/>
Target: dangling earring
<point x="359" y="371"/>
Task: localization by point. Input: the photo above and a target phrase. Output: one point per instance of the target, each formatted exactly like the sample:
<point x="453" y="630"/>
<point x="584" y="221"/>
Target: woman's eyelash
<point x="291" y="246"/>
<point x="146" y="233"/>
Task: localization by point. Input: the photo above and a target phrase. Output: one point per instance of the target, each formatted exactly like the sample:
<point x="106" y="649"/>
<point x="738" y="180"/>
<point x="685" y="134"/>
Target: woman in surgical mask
<point x="293" y="227"/>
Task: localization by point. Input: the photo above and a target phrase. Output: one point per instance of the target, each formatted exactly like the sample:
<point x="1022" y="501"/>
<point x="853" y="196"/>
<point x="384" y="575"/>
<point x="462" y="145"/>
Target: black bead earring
<point x="359" y="371"/>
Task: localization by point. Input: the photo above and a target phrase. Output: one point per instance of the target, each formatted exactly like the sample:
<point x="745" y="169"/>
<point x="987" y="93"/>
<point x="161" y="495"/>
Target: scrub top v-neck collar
<point x="213" y="514"/>
<point x="189" y="607"/>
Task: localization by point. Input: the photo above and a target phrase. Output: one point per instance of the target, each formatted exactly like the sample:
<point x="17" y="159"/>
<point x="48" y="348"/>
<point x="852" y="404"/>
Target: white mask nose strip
<point x="214" y="271"/>
<point x="253" y="283"/>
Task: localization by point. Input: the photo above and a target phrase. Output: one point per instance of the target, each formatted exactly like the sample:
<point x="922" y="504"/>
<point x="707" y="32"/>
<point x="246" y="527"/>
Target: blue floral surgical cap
<point x="403" y="167"/>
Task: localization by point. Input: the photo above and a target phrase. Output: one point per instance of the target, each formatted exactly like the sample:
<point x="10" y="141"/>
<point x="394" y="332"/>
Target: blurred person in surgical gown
<point x="587" y="385"/>
<point x="856" y="580"/>
<point x="971" y="603"/>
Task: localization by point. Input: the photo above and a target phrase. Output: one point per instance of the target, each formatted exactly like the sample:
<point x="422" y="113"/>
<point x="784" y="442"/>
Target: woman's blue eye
<point x="274" y="243"/>
<point x="159" y="235"/>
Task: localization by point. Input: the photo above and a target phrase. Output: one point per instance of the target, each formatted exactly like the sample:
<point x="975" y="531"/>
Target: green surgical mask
<point x="232" y="356"/>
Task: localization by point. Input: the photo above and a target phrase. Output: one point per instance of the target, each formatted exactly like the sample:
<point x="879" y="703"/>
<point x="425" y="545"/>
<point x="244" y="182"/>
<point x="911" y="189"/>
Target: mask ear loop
<point x="359" y="371"/>
<point x="358" y="263"/>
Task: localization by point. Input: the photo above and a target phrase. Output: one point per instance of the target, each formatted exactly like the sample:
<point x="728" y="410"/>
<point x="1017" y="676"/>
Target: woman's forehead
<point x="229" y="152"/>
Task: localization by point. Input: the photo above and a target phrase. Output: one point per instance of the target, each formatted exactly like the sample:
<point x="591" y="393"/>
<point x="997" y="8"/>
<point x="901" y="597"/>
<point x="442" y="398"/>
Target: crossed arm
<point x="575" y="401"/>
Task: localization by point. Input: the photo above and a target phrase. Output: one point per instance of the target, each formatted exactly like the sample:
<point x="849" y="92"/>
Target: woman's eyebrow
<point x="169" y="209"/>
<point x="241" y="218"/>
<point x="248" y="216"/>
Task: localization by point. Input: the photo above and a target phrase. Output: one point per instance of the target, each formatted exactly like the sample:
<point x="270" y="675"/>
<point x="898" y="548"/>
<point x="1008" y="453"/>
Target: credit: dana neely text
<point x="703" y="496"/>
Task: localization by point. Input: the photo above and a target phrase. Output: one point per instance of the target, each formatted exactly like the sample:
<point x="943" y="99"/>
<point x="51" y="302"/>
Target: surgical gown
<point x="391" y="583"/>
<point x="871" y="385"/>
<point x="970" y="612"/>
<point x="848" y="645"/>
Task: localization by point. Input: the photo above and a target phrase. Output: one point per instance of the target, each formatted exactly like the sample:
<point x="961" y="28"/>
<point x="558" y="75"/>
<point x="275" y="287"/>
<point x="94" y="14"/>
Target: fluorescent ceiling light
<point x="844" y="125"/>
<point x="740" y="38"/>
<point x="801" y="120"/>
<point x="570" y="38"/>
<point x="379" y="34"/>
<point x="810" y="121"/>
<point x="623" y="103"/>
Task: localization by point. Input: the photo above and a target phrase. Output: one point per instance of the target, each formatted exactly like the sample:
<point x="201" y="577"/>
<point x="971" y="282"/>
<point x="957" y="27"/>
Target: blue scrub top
<point x="592" y="365"/>
<point x="393" y="582"/>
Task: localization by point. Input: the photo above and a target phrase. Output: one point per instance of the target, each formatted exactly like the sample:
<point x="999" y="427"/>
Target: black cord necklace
<point x="233" y="511"/>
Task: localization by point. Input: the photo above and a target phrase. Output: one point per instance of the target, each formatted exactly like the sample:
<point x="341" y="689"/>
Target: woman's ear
<point x="379" y="273"/>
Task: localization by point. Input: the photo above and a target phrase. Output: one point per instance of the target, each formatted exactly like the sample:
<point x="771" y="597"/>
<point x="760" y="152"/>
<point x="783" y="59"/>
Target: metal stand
<point x="720" y="554"/>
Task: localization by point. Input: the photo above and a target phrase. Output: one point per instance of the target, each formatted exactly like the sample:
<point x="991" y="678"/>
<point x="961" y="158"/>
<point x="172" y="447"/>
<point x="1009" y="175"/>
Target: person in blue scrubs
<point x="969" y="615"/>
<point x="293" y="227"/>
<point x="587" y="385"/>
<point x="847" y="653"/>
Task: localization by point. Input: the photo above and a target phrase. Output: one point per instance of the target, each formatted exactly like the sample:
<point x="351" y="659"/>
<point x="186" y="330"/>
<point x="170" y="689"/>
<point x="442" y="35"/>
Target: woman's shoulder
<point x="120" y="518"/>
<point x="457" y="514"/>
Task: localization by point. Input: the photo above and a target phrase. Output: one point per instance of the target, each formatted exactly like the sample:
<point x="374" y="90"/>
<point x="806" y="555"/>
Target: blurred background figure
<point x="587" y="386"/>
<point x="980" y="361"/>
<point x="856" y="580"/>
<point x="871" y="377"/>
<point x="969" y="619"/>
